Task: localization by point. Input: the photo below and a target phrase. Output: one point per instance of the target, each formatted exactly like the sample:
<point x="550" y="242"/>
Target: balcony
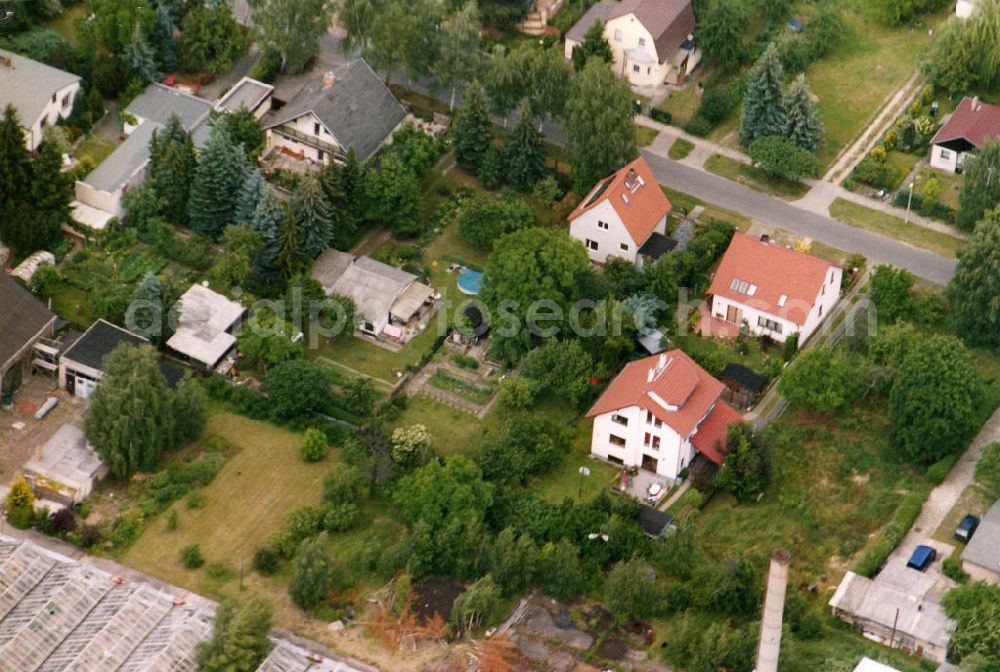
<point x="311" y="140"/>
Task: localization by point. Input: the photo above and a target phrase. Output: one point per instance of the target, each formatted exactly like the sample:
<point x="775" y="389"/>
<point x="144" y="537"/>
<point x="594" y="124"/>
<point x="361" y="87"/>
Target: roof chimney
<point x="764" y="238"/>
<point x="329" y="79"/>
<point x="976" y="104"/>
<point x="774" y="607"/>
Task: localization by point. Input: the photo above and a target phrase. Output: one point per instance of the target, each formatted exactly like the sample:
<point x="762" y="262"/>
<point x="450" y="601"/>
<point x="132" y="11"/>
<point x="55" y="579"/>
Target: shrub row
<point x="935" y="209"/>
<point x="901" y="523"/>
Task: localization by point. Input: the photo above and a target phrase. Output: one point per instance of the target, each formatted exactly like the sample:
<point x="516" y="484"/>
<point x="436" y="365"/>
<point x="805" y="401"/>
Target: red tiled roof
<point x="710" y="440"/>
<point x="668" y="21"/>
<point x="974" y="121"/>
<point x="773" y="270"/>
<point x="635" y="196"/>
<point x="681" y="382"/>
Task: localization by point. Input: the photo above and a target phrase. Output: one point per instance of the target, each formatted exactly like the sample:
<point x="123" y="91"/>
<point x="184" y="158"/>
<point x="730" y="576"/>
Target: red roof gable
<point x="711" y="437"/>
<point x="763" y="272"/>
<point x="677" y="380"/>
<point x="973" y="121"/>
<point x="635" y="196"/>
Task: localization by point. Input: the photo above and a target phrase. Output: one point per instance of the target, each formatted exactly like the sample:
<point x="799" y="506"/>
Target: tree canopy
<point x="763" y="103"/>
<point x="934" y="400"/>
<point x="980" y="190"/>
<point x="291" y="28"/>
<point x="974" y="290"/>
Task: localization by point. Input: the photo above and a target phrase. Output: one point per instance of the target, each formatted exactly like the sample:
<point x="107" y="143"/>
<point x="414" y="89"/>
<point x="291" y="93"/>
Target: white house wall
<point x="821" y="307"/>
<point x="60" y="108"/>
<point x="945" y="159"/>
<point x="609" y="241"/>
<point x="626" y="32"/>
<point x="672" y="457"/>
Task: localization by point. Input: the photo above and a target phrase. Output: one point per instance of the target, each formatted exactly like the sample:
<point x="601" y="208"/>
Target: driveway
<point x="777" y="213"/>
<point x="942" y="500"/>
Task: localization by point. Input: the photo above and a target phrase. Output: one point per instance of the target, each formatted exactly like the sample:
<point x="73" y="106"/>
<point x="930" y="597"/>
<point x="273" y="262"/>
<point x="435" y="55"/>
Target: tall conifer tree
<point x="763" y="102"/>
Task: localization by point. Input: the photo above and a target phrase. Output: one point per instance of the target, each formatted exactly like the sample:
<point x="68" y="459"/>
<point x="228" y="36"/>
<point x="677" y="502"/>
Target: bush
<point x="952" y="568"/>
<point x="937" y="472"/>
<point x="191" y="557"/>
<point x="62" y="522"/>
<point x="699" y="126"/>
<point x="874" y="174"/>
<point x="313" y="445"/>
<point x="661" y="116"/>
<point x="267" y="66"/>
<point x="265" y="561"/>
<point x="717" y="104"/>
<point x="901" y="523"/>
<point x="340" y="517"/>
<point x="790" y="347"/>
<point x="305" y="522"/>
<point x="219" y="571"/>
<point x="465" y="361"/>
<point x="282" y="543"/>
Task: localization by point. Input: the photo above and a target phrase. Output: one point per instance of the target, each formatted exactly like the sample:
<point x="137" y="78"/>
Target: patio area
<point x="713" y="327"/>
<point x="645" y="486"/>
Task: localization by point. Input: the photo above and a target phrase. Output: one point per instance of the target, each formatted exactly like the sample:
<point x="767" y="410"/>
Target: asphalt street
<point x="775" y="212"/>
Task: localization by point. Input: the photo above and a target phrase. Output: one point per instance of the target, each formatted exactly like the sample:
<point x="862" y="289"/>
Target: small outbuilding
<point x="971" y="125"/>
<point x="743" y="384"/>
<point x="66" y="468"/>
<point x="82" y="364"/>
<point x="24" y="322"/>
<point x="868" y="665"/>
<point x="207" y="323"/>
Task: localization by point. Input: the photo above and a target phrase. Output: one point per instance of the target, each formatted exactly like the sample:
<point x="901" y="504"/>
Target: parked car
<point x="966" y="528"/>
<point x="922" y="558"/>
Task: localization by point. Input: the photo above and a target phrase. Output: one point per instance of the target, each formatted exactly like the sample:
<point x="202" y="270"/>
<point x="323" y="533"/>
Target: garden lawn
<point x="96" y="147"/>
<point x="453" y="432"/>
<point x="755" y="178"/>
<point x="249" y="498"/>
<point x="894" y="227"/>
<point x="702" y="349"/>
<point x="65" y="23"/>
<point x="70" y="303"/>
<point x="711" y="214"/>
<point x="950" y="183"/>
<point x="857" y="78"/>
<point x="644" y="135"/>
<point x="680" y="149"/>
<point x="372" y="360"/>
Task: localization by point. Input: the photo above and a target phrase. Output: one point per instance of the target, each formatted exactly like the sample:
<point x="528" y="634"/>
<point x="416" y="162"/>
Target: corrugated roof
<point x="29" y="85"/>
<point x="373" y="286"/>
<point x="358" y="108"/>
<point x="774" y="271"/>
<point x="22" y="317"/>
<point x="635" y="195"/>
<point x="668" y="21"/>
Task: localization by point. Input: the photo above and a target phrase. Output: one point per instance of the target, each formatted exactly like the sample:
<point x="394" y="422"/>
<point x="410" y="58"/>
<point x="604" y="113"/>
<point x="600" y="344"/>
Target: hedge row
<point x="901" y="523"/>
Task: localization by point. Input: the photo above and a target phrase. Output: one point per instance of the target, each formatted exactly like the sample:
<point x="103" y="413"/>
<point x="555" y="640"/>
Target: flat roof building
<point x="206" y="325"/>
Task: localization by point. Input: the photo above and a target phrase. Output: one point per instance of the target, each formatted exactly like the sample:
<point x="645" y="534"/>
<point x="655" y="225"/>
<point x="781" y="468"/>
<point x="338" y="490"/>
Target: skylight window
<point x="752" y="290"/>
<point x="735" y="285"/>
<point x="744" y="286"/>
<point x="782" y="300"/>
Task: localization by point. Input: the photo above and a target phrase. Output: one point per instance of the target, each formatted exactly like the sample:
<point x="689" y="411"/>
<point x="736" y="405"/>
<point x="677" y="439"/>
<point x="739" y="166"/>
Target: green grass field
<point x="680" y="149"/>
<point x="755" y="178"/>
<point x="894" y="227"/>
<point x="96" y="147"/>
<point x="65" y="23"/>
<point x="70" y="302"/>
<point x="861" y="74"/>
<point x="249" y="498"/>
<point x="453" y="432"/>
<point x="644" y="135"/>
<point x="950" y="185"/>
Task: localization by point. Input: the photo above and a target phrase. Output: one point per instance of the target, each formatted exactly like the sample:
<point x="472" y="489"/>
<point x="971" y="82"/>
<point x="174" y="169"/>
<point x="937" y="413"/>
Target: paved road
<point x="768" y="210"/>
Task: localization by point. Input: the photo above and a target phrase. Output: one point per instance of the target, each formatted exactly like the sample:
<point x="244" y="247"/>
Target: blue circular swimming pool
<point x="470" y="282"/>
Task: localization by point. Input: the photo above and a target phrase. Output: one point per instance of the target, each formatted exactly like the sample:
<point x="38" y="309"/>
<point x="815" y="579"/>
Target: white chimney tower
<point x="774" y="607"/>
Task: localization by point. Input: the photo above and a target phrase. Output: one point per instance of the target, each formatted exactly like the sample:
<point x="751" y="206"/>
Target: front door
<point x="733" y="314"/>
<point x="649" y="463"/>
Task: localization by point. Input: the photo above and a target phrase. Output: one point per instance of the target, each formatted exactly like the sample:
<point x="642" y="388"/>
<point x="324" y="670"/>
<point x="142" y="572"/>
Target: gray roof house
<point x="24" y="321"/>
<point x="382" y="294"/>
<point x="41" y="94"/>
<point x="66" y="468"/>
<point x="981" y="557"/>
<point x="99" y="194"/>
<point x="347" y="108"/>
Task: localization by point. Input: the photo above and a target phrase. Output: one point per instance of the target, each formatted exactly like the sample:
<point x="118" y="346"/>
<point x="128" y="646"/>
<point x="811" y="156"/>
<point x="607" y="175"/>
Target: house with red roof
<point x="624" y="216"/>
<point x="773" y="290"/>
<point x="659" y="414"/>
<point x="969" y="127"/>
<point x="652" y="41"/>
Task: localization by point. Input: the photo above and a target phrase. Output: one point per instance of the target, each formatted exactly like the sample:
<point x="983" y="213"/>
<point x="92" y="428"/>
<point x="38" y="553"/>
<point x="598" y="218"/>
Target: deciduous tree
<point x="820" y="379"/>
<point x="934" y="400"/>
<point x="297" y="388"/>
<point x="594" y="45"/>
<point x="722" y="31"/>
<point x="746" y="469"/>
<point x="780" y="157"/>
<point x="291" y="28"/>
<point x="891" y="290"/>
<point x="312" y="573"/>
<point x="630" y="591"/>
<point x="459" y="56"/>
<point x="980" y="190"/>
<point x="239" y="641"/>
<point x="599" y="129"/>
<point x="975" y="288"/>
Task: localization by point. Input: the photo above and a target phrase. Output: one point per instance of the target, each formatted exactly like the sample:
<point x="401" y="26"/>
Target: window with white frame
<point x="616" y="440"/>
<point x="620" y="419"/>
<point x="770" y="325"/>
<point x="618" y="35"/>
<point x="591" y="244"/>
<point x="603" y="225"/>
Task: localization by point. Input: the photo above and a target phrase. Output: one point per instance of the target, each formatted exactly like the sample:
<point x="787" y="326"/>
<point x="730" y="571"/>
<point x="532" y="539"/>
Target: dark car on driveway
<point x="966" y="529"/>
<point x="922" y="558"/>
